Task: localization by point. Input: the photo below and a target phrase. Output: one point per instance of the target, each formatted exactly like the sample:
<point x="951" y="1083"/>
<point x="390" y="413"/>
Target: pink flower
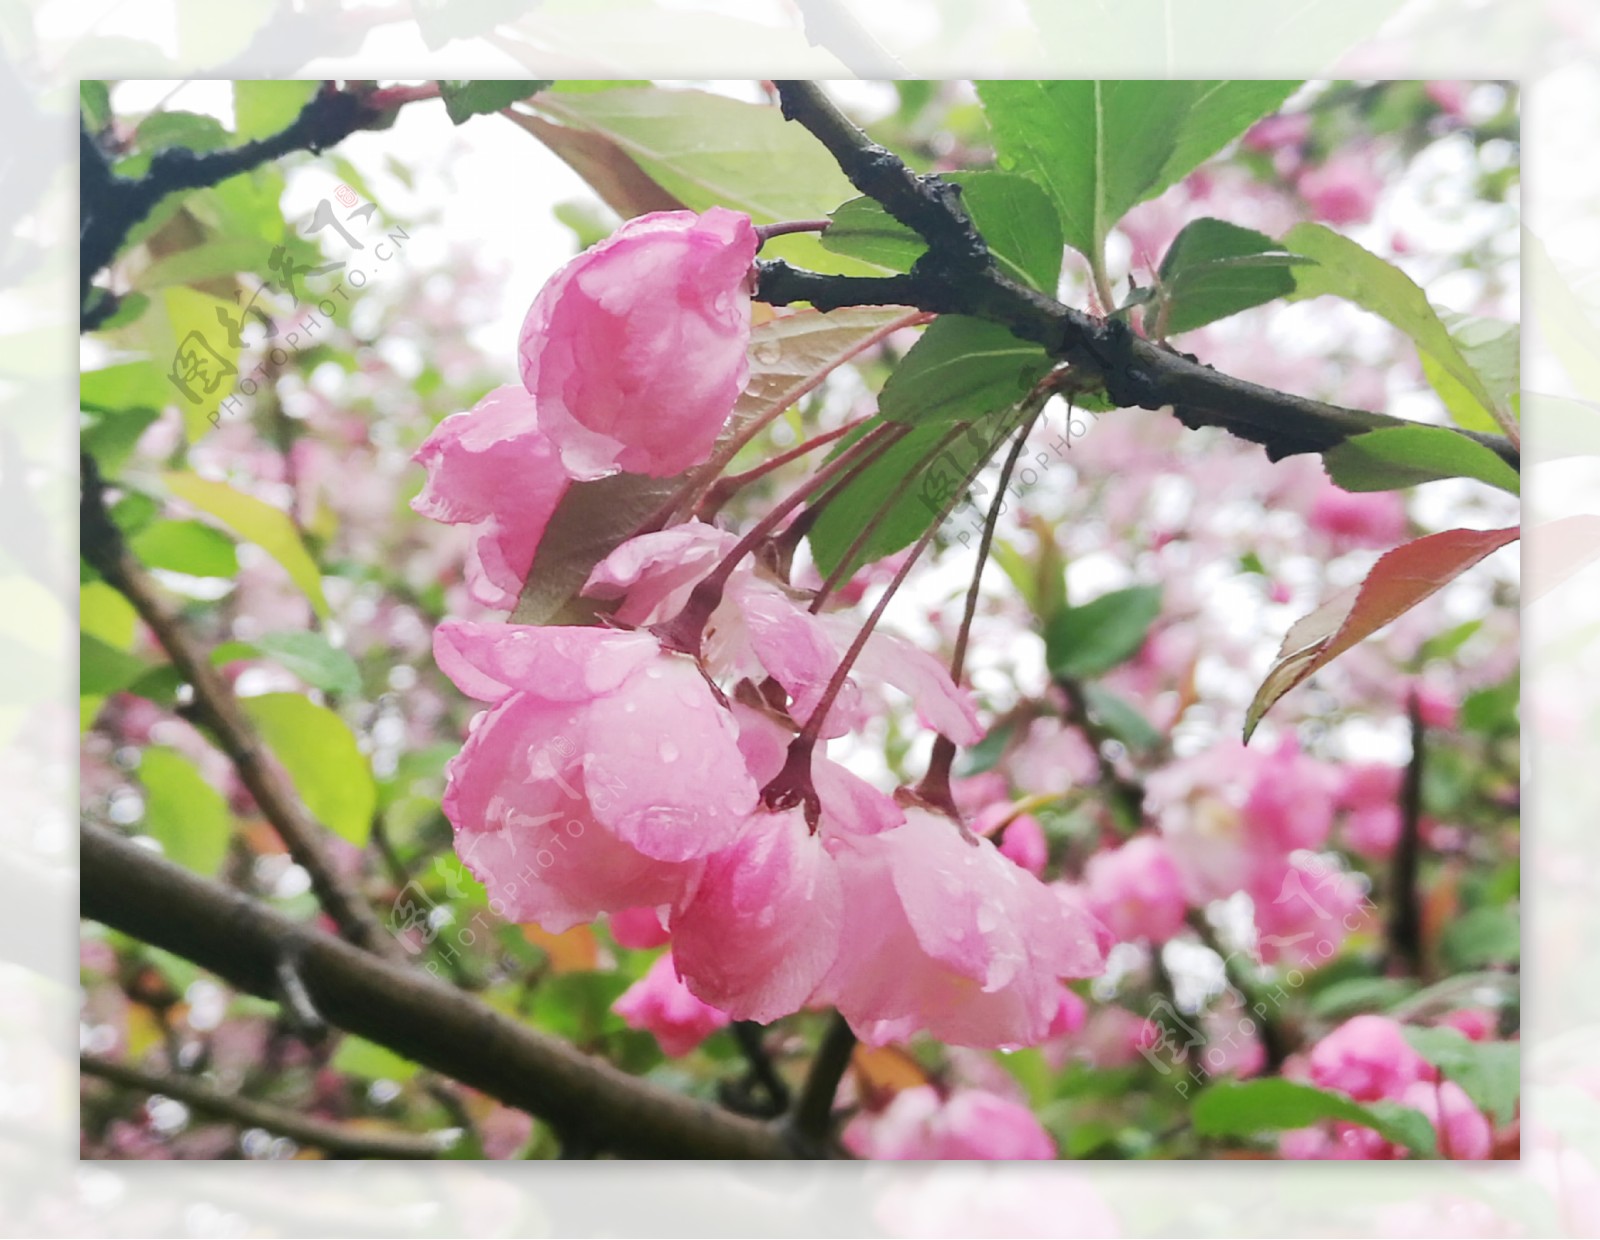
<point x="969" y="1124"/>
<point x="1305" y="913"/>
<point x="1367" y="1058"/>
<point x="1072" y="1013"/>
<point x="638" y="928"/>
<point x="1438" y="707"/>
<point x="1373" y="831"/>
<point x="1137" y="890"/>
<point x="1024" y="843"/>
<point x="762" y="928"/>
<point x="1342" y="190"/>
<point x="661" y="1003"/>
<point x="1463" y="1131"/>
<point x="1350" y="520"/>
<point x="1450" y="97"/>
<point x="1272" y="133"/>
<point x="760" y="629"/>
<point x="1291" y="801"/>
<point x="493" y="468"/>
<point x="635" y="350"/>
<point x="1339" y="1140"/>
<point x="946" y="935"/>
<point x="569" y="798"/>
<point x="1475" y="1024"/>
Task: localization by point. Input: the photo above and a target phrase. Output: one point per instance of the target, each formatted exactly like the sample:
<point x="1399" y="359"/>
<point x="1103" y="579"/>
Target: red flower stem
<point x="684" y="631"/>
<point x="729" y="485"/>
<point x="847" y="563"/>
<point x="766" y="232"/>
<point x="813" y="727"/>
<point x="395" y="96"/>
<point x="724" y="455"/>
<point x="935" y="785"/>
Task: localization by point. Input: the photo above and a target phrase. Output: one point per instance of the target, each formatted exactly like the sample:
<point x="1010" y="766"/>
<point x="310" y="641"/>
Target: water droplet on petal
<point x="667" y="751"/>
<point x="768" y="352"/>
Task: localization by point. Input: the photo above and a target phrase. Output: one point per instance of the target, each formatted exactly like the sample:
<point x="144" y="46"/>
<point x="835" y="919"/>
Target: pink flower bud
<point x="635" y="350"/>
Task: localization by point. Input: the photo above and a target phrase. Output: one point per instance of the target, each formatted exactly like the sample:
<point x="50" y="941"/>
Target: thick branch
<point x="340" y="1140"/>
<point x="957" y="276"/>
<point x="813" y="1110"/>
<point x="103" y="547"/>
<point x="1404" y="930"/>
<point x="133" y="890"/>
<point x="112" y="204"/>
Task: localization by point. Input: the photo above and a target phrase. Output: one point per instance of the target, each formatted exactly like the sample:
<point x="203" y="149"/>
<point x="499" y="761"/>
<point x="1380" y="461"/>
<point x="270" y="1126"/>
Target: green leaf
<point x="1344" y="269"/>
<point x="191" y="547"/>
<point x="320" y="754"/>
<point x="104" y="613"/>
<point x="111" y="437"/>
<point x="961" y="370"/>
<point x="94" y="101"/>
<point x="198" y="361"/>
<point x="862" y="229"/>
<point x="103" y="669"/>
<point x="1248" y="1108"/>
<point x="936" y="480"/>
<point x="186" y="814"/>
<point x="1086" y="641"/>
<point x="1214" y="269"/>
<point x="127" y="385"/>
<point x="1101" y="147"/>
<point x="359" y="1057"/>
<point x="1014" y="215"/>
<point x="1360" y="994"/>
<point x="263" y="108"/>
<point x="1493" y="350"/>
<point x="1485" y="936"/>
<point x="708" y="150"/>
<point x="464" y="100"/>
<point x="309" y="656"/>
<point x="1405" y="456"/>
<point x="254" y="521"/>
<point x="1119" y="717"/>
<point x="1490" y="1073"/>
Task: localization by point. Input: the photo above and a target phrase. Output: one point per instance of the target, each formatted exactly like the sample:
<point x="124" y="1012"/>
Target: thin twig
<point x="215" y="705"/>
<point x="340" y="1140"/>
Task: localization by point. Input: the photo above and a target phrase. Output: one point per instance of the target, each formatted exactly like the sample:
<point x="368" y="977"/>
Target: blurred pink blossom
<point x="919" y="1124"/>
<point x="662" y="1004"/>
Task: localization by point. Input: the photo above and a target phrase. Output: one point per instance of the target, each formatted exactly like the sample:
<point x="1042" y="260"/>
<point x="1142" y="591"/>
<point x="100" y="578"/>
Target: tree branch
<point x="103" y="547"/>
<point x="133" y="890"/>
<point x="111" y="204"/>
<point x="813" y="1110"/>
<point x="1404" y="929"/>
<point x="340" y="1140"/>
<point x="958" y="276"/>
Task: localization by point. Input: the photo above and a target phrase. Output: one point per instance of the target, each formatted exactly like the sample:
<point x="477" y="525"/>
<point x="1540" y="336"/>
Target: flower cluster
<point x="669" y="769"/>
<point x="1369" y="1059"/>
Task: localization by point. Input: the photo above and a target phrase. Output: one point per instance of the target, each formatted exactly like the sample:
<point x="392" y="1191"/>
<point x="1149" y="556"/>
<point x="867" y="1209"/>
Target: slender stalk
<point x="684" y="631"/>
<point x="726" y="487"/>
<point x="813" y="1112"/>
<point x="736" y="443"/>
<point x="935" y="785"/>
<point x="847" y="564"/>
<point x="339" y="1140"/>
<point x="766" y="232"/>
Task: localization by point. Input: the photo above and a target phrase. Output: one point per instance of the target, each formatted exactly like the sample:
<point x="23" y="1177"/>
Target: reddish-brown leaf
<point x="1400" y="580"/>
